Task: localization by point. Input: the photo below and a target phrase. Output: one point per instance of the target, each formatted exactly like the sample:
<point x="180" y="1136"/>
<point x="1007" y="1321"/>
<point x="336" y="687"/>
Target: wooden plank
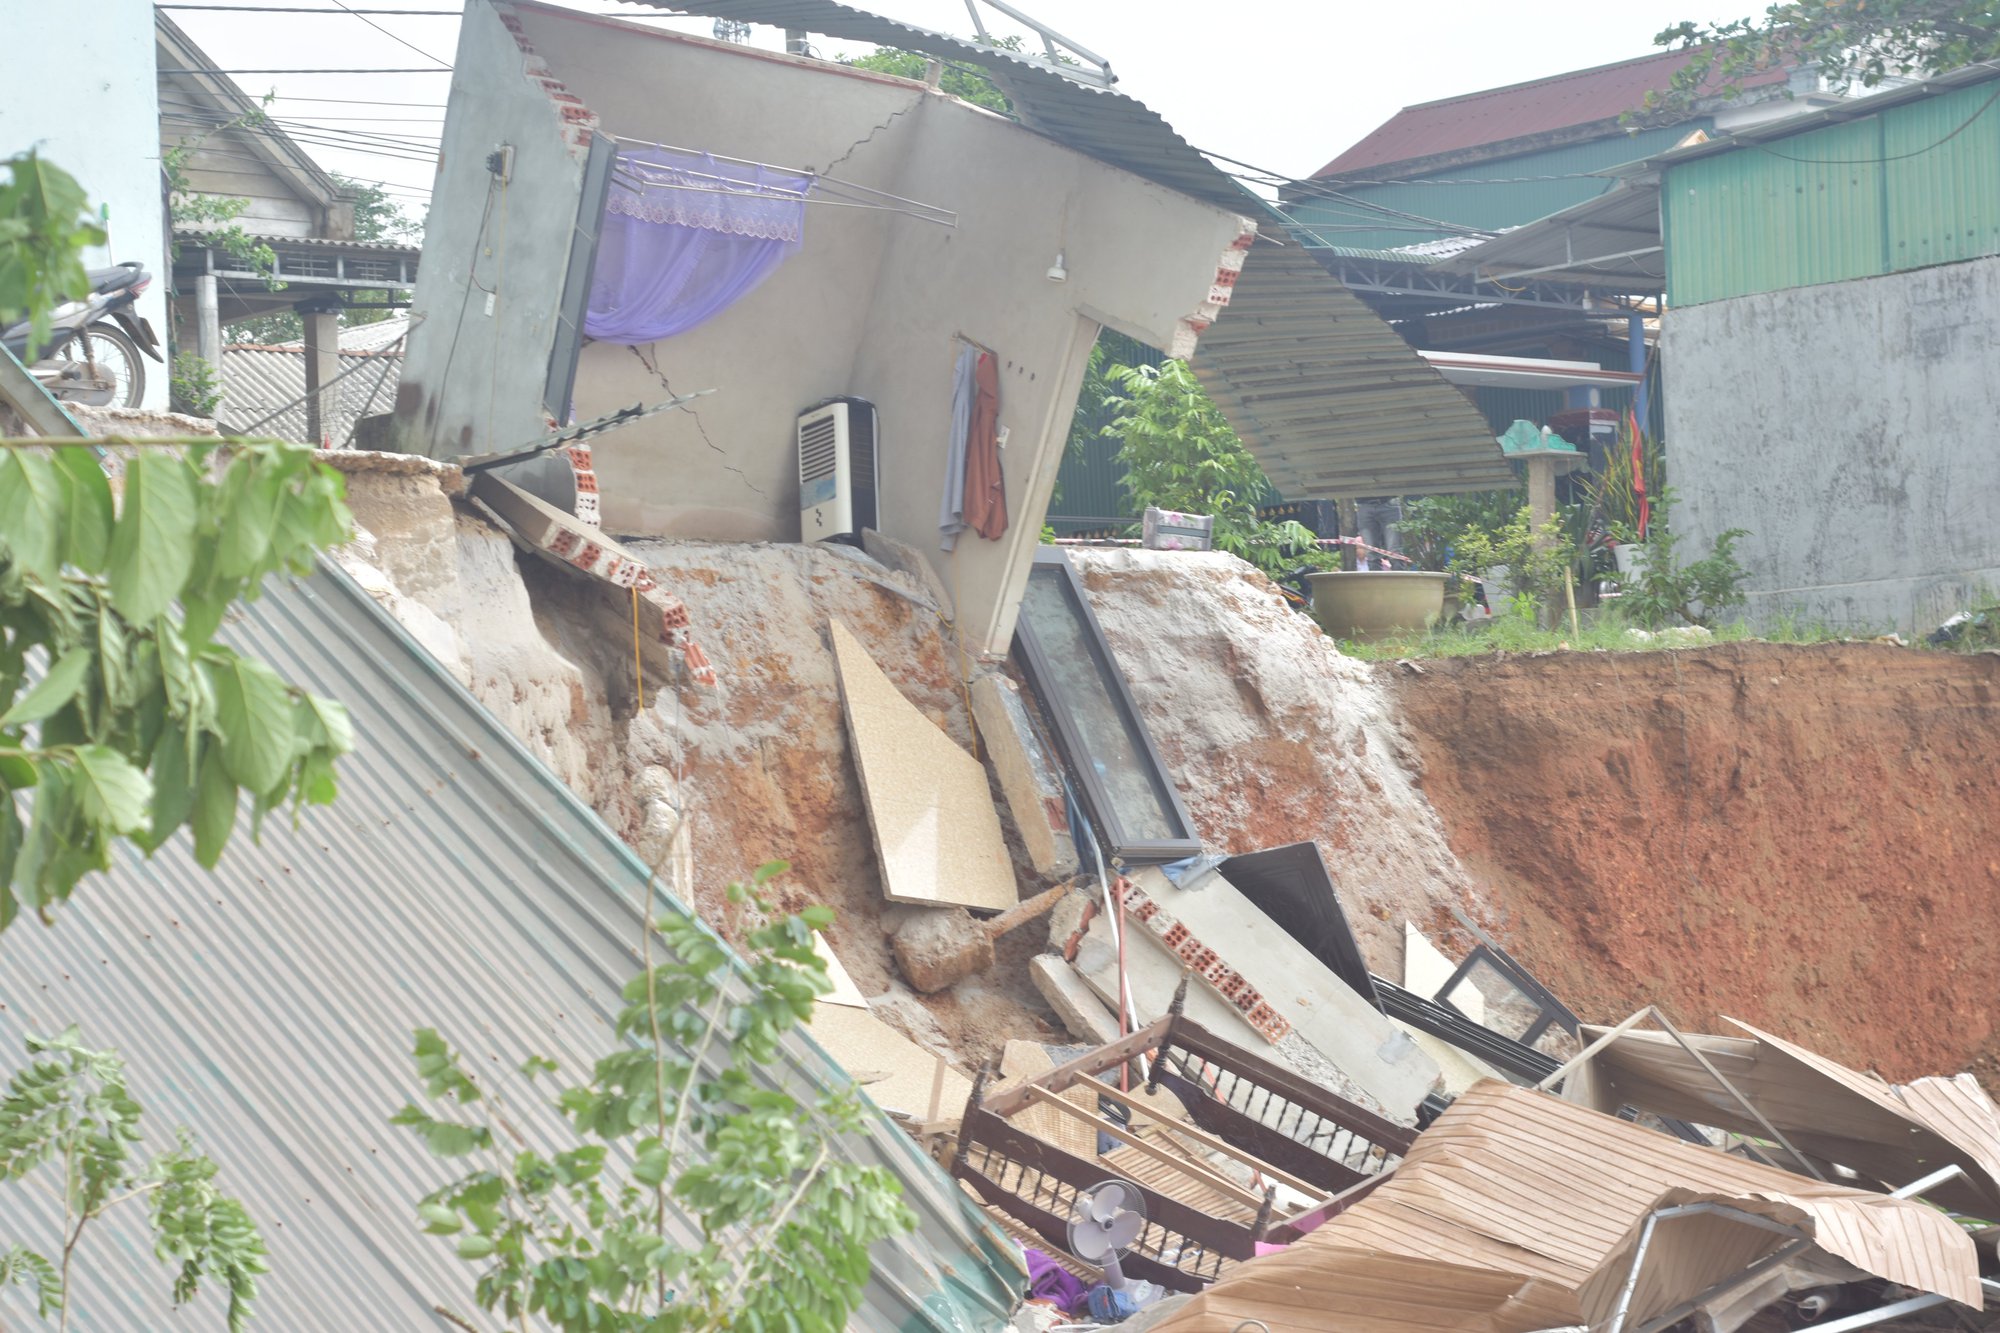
<point x="1066" y="1074"/>
<point x="1213" y="1179"/>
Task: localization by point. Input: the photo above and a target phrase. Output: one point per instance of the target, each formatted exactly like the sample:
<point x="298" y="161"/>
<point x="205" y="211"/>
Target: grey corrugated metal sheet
<point x="1591" y="243"/>
<point x="456" y="883"/>
<point x="1107" y="125"/>
<point x="1304" y="370"/>
<point x="257" y="381"/>
<point x="1379" y="416"/>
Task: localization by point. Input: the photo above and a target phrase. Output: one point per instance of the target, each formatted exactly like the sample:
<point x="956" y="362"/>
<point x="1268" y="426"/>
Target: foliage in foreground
<point x="591" y="1237"/>
<point x="120" y="716"/>
<point x="68" y="1109"/>
<point x="1179" y="452"/>
<point x="1849" y="42"/>
<point x="45" y="226"/>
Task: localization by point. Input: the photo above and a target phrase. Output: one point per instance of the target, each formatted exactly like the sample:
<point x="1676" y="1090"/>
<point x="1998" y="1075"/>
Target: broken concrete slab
<point x="937" y="833"/>
<point x="1028" y="779"/>
<point x="1217" y="923"/>
<point x="1074" y="1002"/>
<point x="942" y="947"/>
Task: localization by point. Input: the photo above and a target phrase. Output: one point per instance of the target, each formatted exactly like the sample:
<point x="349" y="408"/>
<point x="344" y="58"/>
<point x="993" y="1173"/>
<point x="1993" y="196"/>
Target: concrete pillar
<point x="208" y="323"/>
<point x="322" y="365"/>
<point x="1541" y="491"/>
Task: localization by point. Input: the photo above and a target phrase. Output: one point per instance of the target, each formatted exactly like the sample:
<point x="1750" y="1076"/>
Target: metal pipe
<point x="1511" y="274"/>
<point x="1741" y="1100"/>
<point x="1577" y="1061"/>
<point x="1623" y="1307"/>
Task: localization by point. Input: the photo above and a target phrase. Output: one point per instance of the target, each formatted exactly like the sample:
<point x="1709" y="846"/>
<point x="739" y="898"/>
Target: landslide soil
<point x="1804" y="838"/>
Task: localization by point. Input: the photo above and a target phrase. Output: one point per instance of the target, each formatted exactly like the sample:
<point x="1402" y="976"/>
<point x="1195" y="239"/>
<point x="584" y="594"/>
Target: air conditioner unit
<point x="837" y="470"/>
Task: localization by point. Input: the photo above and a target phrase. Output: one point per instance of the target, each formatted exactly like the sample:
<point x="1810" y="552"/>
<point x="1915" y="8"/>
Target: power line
<point x="296" y="9"/>
<point x="372" y="70"/>
<point x="390" y="35"/>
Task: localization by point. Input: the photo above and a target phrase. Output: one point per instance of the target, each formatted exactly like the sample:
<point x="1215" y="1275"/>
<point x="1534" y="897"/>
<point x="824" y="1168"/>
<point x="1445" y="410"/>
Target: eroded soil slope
<point x="1806" y="838"/>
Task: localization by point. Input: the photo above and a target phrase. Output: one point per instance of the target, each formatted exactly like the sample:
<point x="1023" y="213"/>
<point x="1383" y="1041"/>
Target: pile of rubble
<point x="1248" y="1125"/>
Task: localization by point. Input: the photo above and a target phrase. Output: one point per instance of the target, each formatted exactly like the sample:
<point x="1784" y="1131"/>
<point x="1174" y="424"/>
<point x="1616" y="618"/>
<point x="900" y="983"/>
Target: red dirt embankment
<point x="1805" y="838"/>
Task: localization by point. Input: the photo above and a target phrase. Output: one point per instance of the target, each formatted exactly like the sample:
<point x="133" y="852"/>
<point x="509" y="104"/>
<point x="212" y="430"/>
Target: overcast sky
<point x="1282" y="84"/>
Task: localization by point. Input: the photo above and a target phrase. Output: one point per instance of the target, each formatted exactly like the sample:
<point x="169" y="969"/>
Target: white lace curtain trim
<point x="715" y="199"/>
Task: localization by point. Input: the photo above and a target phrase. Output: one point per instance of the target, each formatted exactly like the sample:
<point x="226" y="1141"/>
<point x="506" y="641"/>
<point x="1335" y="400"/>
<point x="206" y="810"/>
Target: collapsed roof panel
<point x="456" y="883"/>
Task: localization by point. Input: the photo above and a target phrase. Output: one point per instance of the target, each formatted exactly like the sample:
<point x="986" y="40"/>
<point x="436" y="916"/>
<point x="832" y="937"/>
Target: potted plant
<point x="1622" y="496"/>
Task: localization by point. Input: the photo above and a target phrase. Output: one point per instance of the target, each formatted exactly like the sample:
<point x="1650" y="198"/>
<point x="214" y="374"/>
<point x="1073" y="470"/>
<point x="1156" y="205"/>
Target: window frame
<point x="1059" y="710"/>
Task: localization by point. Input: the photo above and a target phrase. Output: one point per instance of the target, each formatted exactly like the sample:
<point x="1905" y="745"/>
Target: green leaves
<point x="152" y="546"/>
<point x="140" y="725"/>
<point x="598" y="1241"/>
<point x="68" y="1109"/>
<point x="44" y="228"/>
<point x="254" y="720"/>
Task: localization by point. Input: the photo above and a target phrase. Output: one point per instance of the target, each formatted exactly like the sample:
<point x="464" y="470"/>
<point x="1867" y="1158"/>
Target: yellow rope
<point x="638" y="663"/>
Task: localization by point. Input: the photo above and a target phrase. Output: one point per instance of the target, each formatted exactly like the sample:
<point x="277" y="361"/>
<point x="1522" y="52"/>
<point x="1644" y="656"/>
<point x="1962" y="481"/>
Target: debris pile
<point x="1247" y="1058"/>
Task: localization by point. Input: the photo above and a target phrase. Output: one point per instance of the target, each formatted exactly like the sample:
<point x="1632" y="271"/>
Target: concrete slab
<point x="1074" y="1002"/>
<point x="906" y="559"/>
<point x="1340" y="1024"/>
<point x="937" y="833"/>
<point x="1027" y="777"/>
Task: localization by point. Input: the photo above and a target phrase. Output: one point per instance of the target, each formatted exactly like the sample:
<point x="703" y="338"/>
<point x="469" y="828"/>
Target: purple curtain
<point x="685" y="237"/>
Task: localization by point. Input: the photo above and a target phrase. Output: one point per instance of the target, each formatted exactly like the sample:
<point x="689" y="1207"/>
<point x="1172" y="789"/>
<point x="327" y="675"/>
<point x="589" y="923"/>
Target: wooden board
<point x="894" y="1071"/>
<point x="937" y="833"/>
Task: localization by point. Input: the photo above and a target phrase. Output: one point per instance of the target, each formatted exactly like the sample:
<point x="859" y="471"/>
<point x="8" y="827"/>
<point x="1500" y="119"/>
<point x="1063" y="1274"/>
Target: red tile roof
<point x="1473" y="120"/>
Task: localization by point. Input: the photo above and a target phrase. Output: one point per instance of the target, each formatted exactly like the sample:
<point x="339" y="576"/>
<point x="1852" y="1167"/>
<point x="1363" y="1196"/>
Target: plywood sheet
<point x="894" y="1071"/>
<point x="937" y="833"/>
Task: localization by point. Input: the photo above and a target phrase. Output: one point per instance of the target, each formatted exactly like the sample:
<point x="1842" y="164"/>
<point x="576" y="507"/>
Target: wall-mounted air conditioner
<point x="837" y="470"/>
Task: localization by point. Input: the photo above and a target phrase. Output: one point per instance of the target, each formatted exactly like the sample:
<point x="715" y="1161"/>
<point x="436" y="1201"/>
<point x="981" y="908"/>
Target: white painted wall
<point x="80" y="87"/>
<point x="872" y="302"/>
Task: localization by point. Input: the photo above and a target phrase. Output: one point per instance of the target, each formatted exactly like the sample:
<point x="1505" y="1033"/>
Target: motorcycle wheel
<point x="116" y="355"/>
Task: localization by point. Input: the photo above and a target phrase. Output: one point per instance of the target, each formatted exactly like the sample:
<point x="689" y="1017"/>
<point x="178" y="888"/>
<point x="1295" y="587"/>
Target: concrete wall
<point x="473" y="377"/>
<point x="869" y="306"/>
<point x="1849" y="427"/>
<point x="80" y="87"/>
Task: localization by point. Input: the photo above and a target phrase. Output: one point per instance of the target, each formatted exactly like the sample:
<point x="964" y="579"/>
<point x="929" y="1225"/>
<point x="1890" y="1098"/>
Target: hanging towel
<point x="985" y="486"/>
<point x="964" y="388"/>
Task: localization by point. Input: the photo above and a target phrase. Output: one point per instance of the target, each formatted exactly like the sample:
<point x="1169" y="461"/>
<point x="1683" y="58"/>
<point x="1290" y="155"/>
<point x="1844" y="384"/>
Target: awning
<point x="1329" y="398"/>
<point x="1891" y="1134"/>
<point x="1611" y="242"/>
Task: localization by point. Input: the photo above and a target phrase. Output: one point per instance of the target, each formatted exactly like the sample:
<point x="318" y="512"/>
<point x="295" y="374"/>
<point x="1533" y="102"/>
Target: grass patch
<point x="1601" y="631"/>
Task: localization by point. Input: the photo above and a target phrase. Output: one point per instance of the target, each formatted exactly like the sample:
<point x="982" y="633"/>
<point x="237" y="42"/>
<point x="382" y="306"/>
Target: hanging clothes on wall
<point x="685" y="237"/>
<point x="985" y="484"/>
<point x="964" y="389"/>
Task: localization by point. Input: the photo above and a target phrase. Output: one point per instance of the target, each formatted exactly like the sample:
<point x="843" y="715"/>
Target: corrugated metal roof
<point x="1892" y="1134"/>
<point x="1496" y="116"/>
<point x="257" y="381"/>
<point x="1330" y="399"/>
<point x="1523" y="1182"/>
<point x="1373" y="413"/>
<point x="456" y="883"/>
<point x="1611" y="242"/>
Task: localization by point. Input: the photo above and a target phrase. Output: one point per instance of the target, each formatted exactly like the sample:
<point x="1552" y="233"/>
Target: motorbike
<point x="92" y="354"/>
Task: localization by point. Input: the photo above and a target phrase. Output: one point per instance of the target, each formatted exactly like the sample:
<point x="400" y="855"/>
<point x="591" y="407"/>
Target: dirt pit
<point x="1805" y="838"/>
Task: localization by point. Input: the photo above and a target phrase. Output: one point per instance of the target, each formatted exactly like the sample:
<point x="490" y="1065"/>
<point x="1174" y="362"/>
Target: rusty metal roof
<point x="1519" y="111"/>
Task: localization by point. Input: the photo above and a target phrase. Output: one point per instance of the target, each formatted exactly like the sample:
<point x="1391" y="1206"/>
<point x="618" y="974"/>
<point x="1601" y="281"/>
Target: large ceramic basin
<point x="1370" y="604"/>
